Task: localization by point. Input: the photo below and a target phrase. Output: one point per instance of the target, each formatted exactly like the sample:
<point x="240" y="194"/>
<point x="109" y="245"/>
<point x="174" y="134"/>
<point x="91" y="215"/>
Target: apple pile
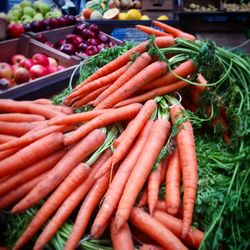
<point x="21" y="69"/>
<point x="86" y="40"/>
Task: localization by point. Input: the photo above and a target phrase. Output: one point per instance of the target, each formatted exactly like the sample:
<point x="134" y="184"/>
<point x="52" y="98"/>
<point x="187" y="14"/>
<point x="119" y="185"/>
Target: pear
<point x="38" y="17"/>
<point x="25" y="3"/>
<point x="29" y="11"/>
<point x="44" y="8"/>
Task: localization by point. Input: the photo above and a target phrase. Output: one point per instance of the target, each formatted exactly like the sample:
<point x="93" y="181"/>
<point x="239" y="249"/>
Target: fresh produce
<point x="15" y="30"/>
<point x="86" y="40"/>
<point x="22" y="69"/>
<point x="136" y="145"/>
<point x="198" y="7"/>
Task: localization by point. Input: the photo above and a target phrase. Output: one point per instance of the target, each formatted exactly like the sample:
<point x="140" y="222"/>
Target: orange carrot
<point x="150" y="247"/>
<point x="8" y="152"/>
<point x="107" y="118"/>
<point x="43" y="101"/>
<point x="150" y="31"/>
<point x="153" y="187"/>
<point x="173" y="183"/>
<point x="160" y="205"/>
<point x="140" y="63"/>
<point x="98" y="83"/>
<point x="161" y="42"/>
<point x="36" y="169"/>
<point x="104" y="168"/>
<point x="131" y="133"/>
<point x="183" y="70"/>
<point x="33" y="136"/>
<point x="77" y="118"/>
<point x="193" y="238"/>
<point x="12" y="106"/>
<point x="82" y="220"/>
<point x="155" y="229"/>
<point x="70" y="160"/>
<point x="77" y="195"/>
<point x="17" y="117"/>
<point x="144" y="198"/>
<point x="6" y="138"/>
<point x="153" y="93"/>
<point x="16" y="128"/>
<point x="188" y="161"/>
<point x="174" y="31"/>
<point x="139" y="81"/>
<point x="122" y="238"/>
<point x="77" y="176"/>
<point x="90" y="97"/>
<point x="31" y="154"/>
<point x="17" y="194"/>
<point x="118" y="183"/>
<point x="145" y="163"/>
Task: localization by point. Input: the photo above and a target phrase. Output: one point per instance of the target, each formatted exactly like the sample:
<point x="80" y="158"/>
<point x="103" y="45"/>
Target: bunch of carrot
<point x="66" y="159"/>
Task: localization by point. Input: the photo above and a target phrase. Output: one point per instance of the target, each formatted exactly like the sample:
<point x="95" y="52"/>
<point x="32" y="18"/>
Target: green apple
<point x="18" y="13"/>
<point x="26" y="19"/>
<point x="29" y="11"/>
<point x="16" y="6"/>
<point x="44" y="8"/>
<point x="12" y="17"/>
<point x="49" y="15"/>
<point x="36" y="5"/>
<point x="25" y="3"/>
<point x="56" y="13"/>
<point x="38" y="17"/>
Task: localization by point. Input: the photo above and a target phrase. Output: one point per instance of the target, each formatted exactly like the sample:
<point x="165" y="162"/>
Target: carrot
<point x="11" y="106"/>
<point x="90" y="97"/>
<point x="153" y="187"/>
<point x="183" y="70"/>
<point x="16" y="128"/>
<point x="193" y="238"/>
<point x="153" y="93"/>
<point x="6" y="138"/>
<point x="118" y="183"/>
<point x="150" y="31"/>
<point x="188" y="161"/>
<point x="140" y="80"/>
<point x="31" y="154"/>
<point x="173" y="183"/>
<point x="98" y="83"/>
<point x="44" y="101"/>
<point x="161" y="42"/>
<point x="155" y="229"/>
<point x="77" y="195"/>
<point x="104" y="168"/>
<point x="8" y="152"/>
<point x="33" y="136"/>
<point x="82" y="220"/>
<point x="150" y="247"/>
<point x="160" y="205"/>
<point x="122" y="238"/>
<point x="144" y="198"/>
<point x="78" y="175"/>
<point x="174" y="31"/>
<point x="77" y="118"/>
<point x="36" y="169"/>
<point x="17" y="117"/>
<point x="70" y="160"/>
<point x="145" y="163"/>
<point x="132" y="131"/>
<point x="140" y="63"/>
<point x="17" y="194"/>
<point x="107" y="118"/>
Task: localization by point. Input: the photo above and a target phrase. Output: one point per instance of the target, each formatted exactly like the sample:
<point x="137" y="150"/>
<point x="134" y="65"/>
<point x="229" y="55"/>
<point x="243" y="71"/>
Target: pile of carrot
<point x="47" y="153"/>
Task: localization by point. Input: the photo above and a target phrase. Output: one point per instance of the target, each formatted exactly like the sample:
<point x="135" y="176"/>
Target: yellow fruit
<point x="111" y="13"/>
<point x="122" y="16"/>
<point x="134" y="14"/>
<point x="163" y="17"/>
<point x="145" y="17"/>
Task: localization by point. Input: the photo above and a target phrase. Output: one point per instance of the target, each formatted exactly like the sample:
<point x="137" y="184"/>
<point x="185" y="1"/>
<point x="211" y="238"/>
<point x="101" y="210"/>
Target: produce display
<point x="199" y="7"/>
<point x="148" y="150"/>
<point x="21" y="69"/>
<point x="233" y="7"/>
<point x="86" y="40"/>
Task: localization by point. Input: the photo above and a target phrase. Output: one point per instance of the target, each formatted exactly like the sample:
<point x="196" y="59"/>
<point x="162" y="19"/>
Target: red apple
<point x="21" y="75"/>
<point x="16" y="59"/>
<point x="52" y="69"/>
<point x="52" y="62"/>
<point x="6" y="70"/>
<point x="27" y="63"/>
<point x="60" y="67"/>
<point x="6" y="83"/>
<point x="41" y="59"/>
<point x="15" y="30"/>
<point x="37" y="71"/>
<point x="14" y="67"/>
<point x="50" y="44"/>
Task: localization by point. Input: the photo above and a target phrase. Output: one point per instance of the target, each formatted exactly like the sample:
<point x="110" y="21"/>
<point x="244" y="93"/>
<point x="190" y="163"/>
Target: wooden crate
<point x="28" y="47"/>
<point x="186" y="4"/>
<point x="157" y="5"/>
